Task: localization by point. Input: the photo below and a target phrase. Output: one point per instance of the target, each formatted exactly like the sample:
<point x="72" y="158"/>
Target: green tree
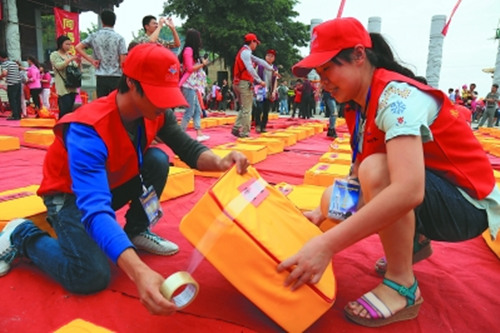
<point x="223" y="23"/>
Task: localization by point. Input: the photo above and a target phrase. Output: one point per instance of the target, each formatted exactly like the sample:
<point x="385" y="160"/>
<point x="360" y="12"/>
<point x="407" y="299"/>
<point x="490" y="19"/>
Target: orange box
<point x="254" y="153"/>
<point x="289" y="139"/>
<point x="309" y="130"/>
<point x="211" y="174"/>
<point x="273" y="116"/>
<point x="323" y="174"/>
<point x="273" y="146"/>
<point x="9" y="143"/>
<point x="300" y="134"/>
<point x="23" y="202"/>
<point x="180" y="182"/>
<point x="210" y="122"/>
<point x="39" y="137"/>
<point x="38" y="122"/>
<point x="336" y="158"/>
<point x="245" y="228"/>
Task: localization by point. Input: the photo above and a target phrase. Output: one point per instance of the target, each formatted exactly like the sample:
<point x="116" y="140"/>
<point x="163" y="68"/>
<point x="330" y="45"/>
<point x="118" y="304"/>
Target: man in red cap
<point x="244" y="76"/>
<point x="100" y="161"/>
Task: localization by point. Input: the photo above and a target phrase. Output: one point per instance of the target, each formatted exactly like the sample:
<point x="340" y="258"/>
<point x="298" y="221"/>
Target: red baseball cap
<point x="157" y="69"/>
<point x="328" y="39"/>
<point x="271" y="51"/>
<point x="251" y="37"/>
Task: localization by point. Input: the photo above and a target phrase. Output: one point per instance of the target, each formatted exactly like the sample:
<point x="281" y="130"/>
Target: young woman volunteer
<point x="419" y="166"/>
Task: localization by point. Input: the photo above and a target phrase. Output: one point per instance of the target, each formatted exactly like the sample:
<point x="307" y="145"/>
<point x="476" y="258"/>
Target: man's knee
<point x="88" y="280"/>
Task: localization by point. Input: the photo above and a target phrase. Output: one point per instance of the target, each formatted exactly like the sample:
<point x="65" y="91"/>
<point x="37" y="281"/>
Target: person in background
<point x="10" y="72"/>
<point x="268" y="76"/>
<point x="491" y="101"/>
<point x="193" y="81"/>
<point x="152" y="29"/>
<point x="34" y="81"/>
<point x="244" y="76"/>
<point x="283" y="98"/>
<point x="110" y="51"/>
<point x="46" y="81"/>
<point x="60" y="59"/>
<point x="442" y="190"/>
<point x="100" y="161"/>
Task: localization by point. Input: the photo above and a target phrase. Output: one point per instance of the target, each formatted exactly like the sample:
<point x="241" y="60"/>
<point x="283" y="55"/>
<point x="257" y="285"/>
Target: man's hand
<point x="234" y="157"/>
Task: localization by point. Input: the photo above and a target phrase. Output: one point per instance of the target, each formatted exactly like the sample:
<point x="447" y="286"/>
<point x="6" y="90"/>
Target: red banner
<point x="341" y="9"/>
<point x="445" y="28"/>
<point x="67" y="24"/>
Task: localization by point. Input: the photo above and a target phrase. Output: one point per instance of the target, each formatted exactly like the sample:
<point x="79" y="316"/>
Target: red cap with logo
<point x="157" y="69"/>
<point x="249" y="37"/>
<point x="328" y="39"/>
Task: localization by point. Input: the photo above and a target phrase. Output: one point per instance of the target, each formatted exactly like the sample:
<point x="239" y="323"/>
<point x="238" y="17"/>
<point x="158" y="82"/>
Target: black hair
<point x="123" y="86"/>
<point x="495" y="85"/>
<point x="60" y="41"/>
<point x="108" y="18"/>
<point x="34" y="61"/>
<point x="146" y="20"/>
<point x="3" y="54"/>
<point x="380" y="56"/>
<point x="193" y="40"/>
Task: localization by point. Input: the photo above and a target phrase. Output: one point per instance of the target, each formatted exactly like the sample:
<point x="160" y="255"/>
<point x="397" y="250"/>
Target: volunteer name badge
<point x="151" y="205"/>
<point x="344" y="199"/>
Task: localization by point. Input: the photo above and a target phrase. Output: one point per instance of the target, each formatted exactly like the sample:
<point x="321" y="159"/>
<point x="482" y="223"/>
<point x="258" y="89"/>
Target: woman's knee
<point x="373" y="174"/>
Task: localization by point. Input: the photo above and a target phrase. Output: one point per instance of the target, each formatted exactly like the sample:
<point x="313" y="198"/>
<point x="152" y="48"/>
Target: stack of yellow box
<point x="254" y="153"/>
<point x="289" y="139"/>
<point x="9" y="143"/>
<point x="39" y="137"/>
<point x="274" y="146"/>
<point x="323" y="174"/>
<point x="180" y="182"/>
<point x="37" y="122"/>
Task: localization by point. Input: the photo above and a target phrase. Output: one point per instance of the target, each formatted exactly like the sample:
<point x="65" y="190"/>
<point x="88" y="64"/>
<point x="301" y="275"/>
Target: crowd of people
<point x="103" y="158"/>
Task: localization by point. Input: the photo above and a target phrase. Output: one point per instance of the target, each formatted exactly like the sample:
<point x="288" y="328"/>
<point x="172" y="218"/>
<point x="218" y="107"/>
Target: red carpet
<point x="459" y="282"/>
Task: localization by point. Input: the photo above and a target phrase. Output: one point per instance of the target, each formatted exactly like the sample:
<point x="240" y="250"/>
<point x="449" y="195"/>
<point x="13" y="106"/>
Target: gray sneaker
<point x="153" y="243"/>
<point x="7" y="250"/>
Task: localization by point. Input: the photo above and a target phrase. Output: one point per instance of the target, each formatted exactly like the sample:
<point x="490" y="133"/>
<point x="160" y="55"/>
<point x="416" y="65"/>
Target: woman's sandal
<point x="380" y="314"/>
<point x="422" y="249"/>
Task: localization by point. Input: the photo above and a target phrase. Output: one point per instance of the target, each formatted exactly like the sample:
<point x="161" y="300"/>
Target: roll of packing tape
<point x="180" y="288"/>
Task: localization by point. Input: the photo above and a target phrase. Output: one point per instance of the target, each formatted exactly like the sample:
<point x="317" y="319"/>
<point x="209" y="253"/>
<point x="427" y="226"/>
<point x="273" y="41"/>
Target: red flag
<point x="67" y="24"/>
<point x="445" y="28"/>
<point x="341" y="9"/>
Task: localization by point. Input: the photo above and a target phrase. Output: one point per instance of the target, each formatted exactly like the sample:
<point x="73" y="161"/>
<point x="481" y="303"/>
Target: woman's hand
<point x="308" y="265"/>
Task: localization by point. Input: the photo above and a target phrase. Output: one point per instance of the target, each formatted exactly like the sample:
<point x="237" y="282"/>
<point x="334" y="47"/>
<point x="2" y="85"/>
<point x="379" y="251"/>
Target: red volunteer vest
<point x="240" y="71"/>
<point x="455" y="154"/>
<point x="122" y="163"/>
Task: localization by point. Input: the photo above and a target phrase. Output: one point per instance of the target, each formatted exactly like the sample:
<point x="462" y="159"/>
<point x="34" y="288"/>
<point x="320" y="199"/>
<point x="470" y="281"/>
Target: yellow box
<point x="289" y="139"/>
<point x="274" y="146"/>
<point x="23" y="202"/>
<point x="81" y="326"/>
<point x="309" y="130"/>
<point x="273" y="116"/>
<point x="496" y="173"/>
<point x="203" y="125"/>
<point x="37" y="122"/>
<point x="318" y="127"/>
<point x="254" y="153"/>
<point x="340" y="148"/>
<point x="180" y="182"/>
<point x="305" y="197"/>
<point x="39" y="137"/>
<point x="9" y="143"/>
<point x="211" y="174"/>
<point x="301" y="134"/>
<point x="245" y="227"/>
<point x="210" y="122"/>
<point x="494" y="245"/>
<point x="336" y="158"/>
<point x="323" y="174"/>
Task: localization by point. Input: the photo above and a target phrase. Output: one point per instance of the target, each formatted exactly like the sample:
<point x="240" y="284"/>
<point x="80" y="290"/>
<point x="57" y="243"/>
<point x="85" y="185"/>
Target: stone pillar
<point x="12" y="36"/>
<point x="375" y="24"/>
<point x="435" y="54"/>
<point x="496" y="75"/>
<point x="39" y="35"/>
<point x="312" y="74"/>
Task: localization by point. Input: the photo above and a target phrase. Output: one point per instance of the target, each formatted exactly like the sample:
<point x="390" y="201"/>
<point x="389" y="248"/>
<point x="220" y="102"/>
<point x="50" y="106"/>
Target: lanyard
<point x="356" y="141"/>
<point x="139" y="148"/>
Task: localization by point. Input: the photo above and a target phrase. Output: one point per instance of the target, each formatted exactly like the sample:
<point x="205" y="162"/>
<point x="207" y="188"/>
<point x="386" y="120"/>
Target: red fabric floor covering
<point x="459" y="282"/>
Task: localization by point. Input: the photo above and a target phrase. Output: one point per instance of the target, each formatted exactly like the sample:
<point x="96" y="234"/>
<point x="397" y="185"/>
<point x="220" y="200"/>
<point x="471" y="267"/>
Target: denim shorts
<point x="445" y="214"/>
